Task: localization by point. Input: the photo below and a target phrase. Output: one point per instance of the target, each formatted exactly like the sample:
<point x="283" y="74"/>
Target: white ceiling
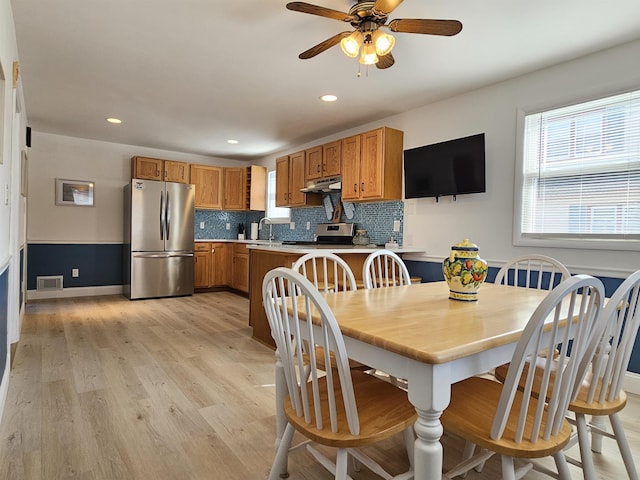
<point x="186" y="75"/>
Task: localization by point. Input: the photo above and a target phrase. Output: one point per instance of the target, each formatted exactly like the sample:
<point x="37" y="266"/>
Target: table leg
<point x="428" y="450"/>
<point x="429" y="392"/>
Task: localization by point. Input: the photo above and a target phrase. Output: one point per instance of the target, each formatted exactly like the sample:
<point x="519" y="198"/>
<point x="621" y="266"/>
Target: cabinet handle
<point x="362" y="186"/>
<point x="213" y="250"/>
<point x="355" y="187"/>
<point x="318" y="169"/>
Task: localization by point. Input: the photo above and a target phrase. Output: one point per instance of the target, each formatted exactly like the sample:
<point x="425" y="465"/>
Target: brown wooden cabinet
<point x="245" y="188"/>
<point x="332" y="159"/>
<point x="240" y="267"/>
<point x="209" y="186"/>
<point x="235" y="187"/>
<point x="372" y="166"/>
<point x="290" y="178"/>
<point x="212" y="261"/>
<point x="313" y="163"/>
<point x="158" y="169"/>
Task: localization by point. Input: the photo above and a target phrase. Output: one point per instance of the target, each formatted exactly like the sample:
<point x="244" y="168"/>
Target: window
<point x="275" y="214"/>
<point x="579" y="175"/>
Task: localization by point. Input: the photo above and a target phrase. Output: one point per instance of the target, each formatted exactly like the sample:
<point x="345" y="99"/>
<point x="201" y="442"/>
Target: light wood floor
<point x="105" y="388"/>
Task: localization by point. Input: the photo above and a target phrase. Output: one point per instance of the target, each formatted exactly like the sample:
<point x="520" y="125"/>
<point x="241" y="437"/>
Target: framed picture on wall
<point x="74" y="192"/>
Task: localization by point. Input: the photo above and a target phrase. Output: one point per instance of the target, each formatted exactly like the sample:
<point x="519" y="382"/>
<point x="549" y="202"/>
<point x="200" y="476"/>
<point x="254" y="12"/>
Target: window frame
<point x="555" y="240"/>
<point x="271" y="195"/>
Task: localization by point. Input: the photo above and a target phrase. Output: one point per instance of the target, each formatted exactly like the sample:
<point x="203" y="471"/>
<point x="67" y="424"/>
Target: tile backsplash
<point x="377" y="218"/>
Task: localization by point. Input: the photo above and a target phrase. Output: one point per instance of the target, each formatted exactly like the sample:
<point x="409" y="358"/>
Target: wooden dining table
<point x="417" y="333"/>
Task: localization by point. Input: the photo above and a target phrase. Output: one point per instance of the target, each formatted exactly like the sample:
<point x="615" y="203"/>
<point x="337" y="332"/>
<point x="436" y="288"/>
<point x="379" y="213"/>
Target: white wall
<point x="487" y="218"/>
<point x="12" y="211"/>
<point x="107" y="164"/>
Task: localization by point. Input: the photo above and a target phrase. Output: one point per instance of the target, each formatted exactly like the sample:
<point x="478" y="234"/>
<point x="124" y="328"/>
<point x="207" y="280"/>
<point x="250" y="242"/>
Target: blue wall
<point x="4" y="314"/>
<point x="100" y="264"/>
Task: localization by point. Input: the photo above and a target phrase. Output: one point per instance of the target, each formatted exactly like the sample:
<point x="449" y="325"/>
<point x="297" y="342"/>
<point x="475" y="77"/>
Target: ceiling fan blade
<point x="322" y="46"/>
<point x="385" y="61"/>
<point x="427" y="27"/>
<point x="385" y="7"/>
<point x="320" y="11"/>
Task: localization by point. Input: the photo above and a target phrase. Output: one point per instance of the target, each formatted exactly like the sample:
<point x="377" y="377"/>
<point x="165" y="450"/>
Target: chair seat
<point x="383" y="410"/>
<point x="470" y="416"/>
<point x="580" y="404"/>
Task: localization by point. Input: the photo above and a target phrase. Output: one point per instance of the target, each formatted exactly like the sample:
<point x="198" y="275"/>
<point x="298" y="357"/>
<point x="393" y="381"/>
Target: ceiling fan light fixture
<point x="368" y="55"/>
<point x="383" y="41"/>
<point x="351" y="45"/>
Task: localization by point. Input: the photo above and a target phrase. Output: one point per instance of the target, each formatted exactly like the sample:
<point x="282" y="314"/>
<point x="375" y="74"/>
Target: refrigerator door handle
<point x="168" y="216"/>
<point x="161" y="255"/>
<point x="162" y="213"/>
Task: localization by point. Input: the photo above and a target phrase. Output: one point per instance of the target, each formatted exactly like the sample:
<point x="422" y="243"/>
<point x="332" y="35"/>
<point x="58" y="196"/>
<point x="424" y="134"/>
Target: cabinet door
<point x="240" y="268"/>
<point x="147" y="168"/>
<point x="220" y="264"/>
<point x="351" y="148"/>
<point x="235" y="188"/>
<point x="332" y="159"/>
<point x="201" y="268"/>
<point x="314" y="163"/>
<point x="209" y="183"/>
<point x="296" y="179"/>
<point x="371" y="165"/>
<point x="176" y="171"/>
<point x="282" y="181"/>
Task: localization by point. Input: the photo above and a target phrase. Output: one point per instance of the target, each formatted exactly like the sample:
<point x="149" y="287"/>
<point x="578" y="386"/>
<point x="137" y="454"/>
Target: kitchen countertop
<point x="302" y="249"/>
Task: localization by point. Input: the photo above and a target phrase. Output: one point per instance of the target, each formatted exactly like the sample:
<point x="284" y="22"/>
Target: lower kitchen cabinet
<point x="212" y="261"/>
<point x="240" y="267"/>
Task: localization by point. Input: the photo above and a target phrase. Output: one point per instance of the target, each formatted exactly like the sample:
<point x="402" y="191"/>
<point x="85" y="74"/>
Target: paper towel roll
<point x="254" y="231"/>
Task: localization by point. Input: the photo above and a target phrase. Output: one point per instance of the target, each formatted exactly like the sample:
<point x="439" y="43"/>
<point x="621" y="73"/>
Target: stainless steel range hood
<point x="323" y="185"/>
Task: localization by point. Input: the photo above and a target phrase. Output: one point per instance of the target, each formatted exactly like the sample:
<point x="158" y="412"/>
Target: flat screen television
<point x="454" y="167"/>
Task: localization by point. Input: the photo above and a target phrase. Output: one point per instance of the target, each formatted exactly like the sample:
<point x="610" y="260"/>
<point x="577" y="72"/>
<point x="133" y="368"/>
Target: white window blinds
<point x="581" y="171"/>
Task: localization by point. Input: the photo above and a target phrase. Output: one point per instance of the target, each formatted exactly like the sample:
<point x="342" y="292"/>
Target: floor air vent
<point x="53" y="282"/>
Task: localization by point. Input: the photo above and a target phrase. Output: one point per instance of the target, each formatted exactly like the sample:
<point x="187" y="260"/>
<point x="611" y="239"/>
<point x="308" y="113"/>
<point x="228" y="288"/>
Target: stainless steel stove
<point x="328" y="234"/>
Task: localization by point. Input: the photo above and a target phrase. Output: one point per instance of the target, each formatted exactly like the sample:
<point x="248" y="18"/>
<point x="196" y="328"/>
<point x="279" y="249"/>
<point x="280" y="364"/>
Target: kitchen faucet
<point x="263" y="219"/>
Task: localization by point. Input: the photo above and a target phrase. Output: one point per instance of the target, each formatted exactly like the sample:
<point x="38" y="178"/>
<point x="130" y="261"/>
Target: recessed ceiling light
<point x="114" y="120"/>
<point x="328" y="98"/>
<point x="232" y="141"/>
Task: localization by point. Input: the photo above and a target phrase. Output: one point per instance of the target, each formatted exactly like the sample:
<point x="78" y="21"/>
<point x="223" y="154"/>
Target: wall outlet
<point x="308" y="225"/>
<point x="292" y="225"/>
<point x="396" y="225"/>
<point x="201" y="225"/>
<point x="228" y="226"/>
<point x="75" y="272"/>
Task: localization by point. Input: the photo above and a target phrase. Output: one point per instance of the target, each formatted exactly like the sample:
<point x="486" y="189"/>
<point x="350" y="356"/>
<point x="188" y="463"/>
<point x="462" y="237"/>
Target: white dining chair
<point x="384" y="268"/>
<point x="506" y="419"/>
<point x="339" y="407"/>
<point x="532" y="271"/>
<point x="327" y="271"/>
<point x="601" y="394"/>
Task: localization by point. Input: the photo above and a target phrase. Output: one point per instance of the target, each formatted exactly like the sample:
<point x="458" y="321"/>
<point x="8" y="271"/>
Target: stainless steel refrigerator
<point x="158" y="230"/>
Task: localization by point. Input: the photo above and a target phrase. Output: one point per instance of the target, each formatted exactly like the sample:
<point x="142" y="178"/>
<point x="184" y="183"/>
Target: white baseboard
<point x="632" y="383"/>
<point x="75" y="292"/>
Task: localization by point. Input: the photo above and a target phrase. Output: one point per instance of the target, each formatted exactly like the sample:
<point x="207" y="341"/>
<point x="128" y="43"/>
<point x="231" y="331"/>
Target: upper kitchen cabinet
<point x="323" y="161"/>
<point x="372" y="166"/>
<point x="209" y="186"/>
<point x="313" y="162"/>
<point x="245" y="188"/>
<point x="158" y="169"/>
<point x="332" y="159"/>
<point x="290" y="178"/>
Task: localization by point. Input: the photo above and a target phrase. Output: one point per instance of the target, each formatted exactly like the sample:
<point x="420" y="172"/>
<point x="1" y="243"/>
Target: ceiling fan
<point x="367" y="39"/>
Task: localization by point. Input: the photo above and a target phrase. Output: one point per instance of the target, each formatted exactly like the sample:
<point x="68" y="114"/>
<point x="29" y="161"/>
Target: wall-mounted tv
<point x="454" y="167"/>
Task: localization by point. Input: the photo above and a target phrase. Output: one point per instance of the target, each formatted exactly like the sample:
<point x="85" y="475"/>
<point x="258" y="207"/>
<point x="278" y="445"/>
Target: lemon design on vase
<point x="464" y="271"/>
